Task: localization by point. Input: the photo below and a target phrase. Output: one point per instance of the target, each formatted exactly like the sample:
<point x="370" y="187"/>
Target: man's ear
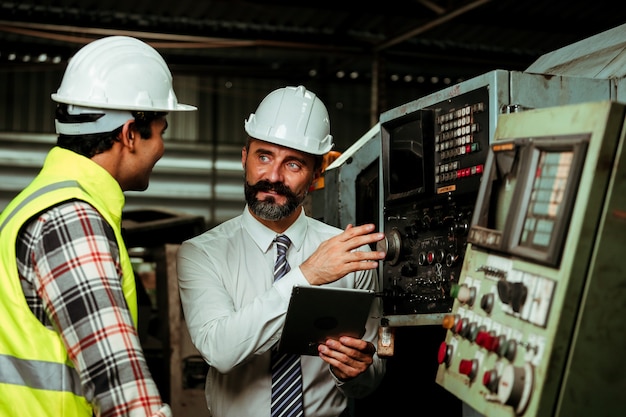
<point x="317" y="173"/>
<point x="128" y="134"/>
<point x="244" y="156"/>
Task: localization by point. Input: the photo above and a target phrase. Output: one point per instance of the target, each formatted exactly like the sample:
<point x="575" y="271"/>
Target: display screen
<point x="524" y="206"/>
<point x="407" y="159"/>
<point x="546" y="198"/>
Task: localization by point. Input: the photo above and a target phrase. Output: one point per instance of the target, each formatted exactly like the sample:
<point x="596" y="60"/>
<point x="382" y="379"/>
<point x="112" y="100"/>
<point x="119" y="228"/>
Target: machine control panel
<point x="433" y="159"/>
<point x="528" y="333"/>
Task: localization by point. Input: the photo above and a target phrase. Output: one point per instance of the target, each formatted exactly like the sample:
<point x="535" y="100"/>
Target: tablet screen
<point x="318" y="313"/>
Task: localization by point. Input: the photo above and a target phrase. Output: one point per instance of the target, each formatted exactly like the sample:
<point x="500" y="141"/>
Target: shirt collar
<point x="264" y="237"/>
<point x="62" y="163"/>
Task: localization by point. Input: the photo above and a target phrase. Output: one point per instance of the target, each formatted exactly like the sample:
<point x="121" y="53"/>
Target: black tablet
<point x="318" y="313"/>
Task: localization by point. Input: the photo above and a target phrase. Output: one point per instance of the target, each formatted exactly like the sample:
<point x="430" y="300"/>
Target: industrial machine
<point x="433" y="155"/>
<point x="352" y="181"/>
<point x="531" y="316"/>
<point x="536" y="327"/>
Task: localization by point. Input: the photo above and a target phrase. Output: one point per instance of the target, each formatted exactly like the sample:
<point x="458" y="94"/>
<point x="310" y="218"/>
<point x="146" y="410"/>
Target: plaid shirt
<point x="69" y="266"/>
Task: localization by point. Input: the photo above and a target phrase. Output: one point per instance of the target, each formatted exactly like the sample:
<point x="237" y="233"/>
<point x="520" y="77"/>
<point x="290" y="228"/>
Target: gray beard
<point x="269" y="210"/>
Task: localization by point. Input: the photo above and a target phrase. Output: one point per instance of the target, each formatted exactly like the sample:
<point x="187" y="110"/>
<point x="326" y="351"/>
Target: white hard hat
<point x="119" y="73"/>
<point x="293" y="117"/>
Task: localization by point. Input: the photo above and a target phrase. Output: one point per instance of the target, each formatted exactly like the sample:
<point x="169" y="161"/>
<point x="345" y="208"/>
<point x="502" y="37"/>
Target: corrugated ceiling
<point x="451" y="38"/>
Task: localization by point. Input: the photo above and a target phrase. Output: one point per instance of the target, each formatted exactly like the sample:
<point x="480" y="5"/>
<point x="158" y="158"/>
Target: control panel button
<point x="490" y="380"/>
<point x="486" y="302"/>
<point x="444" y="356"/>
<point x="463" y="293"/>
<point x="515" y="387"/>
<point x="468" y="367"/>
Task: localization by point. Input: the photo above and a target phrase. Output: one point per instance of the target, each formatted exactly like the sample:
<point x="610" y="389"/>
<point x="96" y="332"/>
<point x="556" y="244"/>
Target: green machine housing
<point x="537" y="324"/>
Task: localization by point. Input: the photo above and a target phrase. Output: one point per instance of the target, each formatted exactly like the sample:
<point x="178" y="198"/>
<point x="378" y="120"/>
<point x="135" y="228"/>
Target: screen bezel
<point x="551" y="254"/>
<point x="507" y="239"/>
<point x="421" y="146"/>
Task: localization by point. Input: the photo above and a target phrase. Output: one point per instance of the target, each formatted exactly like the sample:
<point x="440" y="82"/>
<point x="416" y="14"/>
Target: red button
<point x="468" y="367"/>
<point x="443" y="352"/>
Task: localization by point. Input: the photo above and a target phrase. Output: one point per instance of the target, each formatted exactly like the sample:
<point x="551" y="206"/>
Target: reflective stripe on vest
<point x="65" y="177"/>
<point x="50" y="376"/>
<point x="41" y="191"/>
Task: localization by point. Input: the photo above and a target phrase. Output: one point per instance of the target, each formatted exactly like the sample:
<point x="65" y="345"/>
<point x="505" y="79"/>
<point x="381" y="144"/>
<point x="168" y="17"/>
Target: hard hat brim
<point x="113" y="106"/>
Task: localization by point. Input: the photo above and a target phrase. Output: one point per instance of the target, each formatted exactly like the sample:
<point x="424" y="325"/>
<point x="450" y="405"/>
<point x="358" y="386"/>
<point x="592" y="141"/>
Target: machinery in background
<point x="433" y="152"/>
<point x="416" y="175"/>
<point x="351" y="182"/>
<point x="433" y="155"/>
<point x="536" y="328"/>
<point x="429" y="154"/>
<point x="153" y="237"/>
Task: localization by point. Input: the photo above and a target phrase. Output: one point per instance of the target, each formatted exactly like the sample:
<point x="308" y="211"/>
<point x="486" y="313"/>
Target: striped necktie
<point x="286" y="373"/>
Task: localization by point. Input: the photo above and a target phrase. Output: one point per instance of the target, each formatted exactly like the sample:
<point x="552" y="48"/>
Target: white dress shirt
<point x="235" y="313"/>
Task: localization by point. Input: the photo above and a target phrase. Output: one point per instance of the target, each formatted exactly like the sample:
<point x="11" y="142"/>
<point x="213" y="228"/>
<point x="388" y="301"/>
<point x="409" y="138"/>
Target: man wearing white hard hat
<point x="235" y="297"/>
<point x="69" y="344"/>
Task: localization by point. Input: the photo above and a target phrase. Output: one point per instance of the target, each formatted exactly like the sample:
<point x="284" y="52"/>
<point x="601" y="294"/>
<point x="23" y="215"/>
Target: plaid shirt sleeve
<point x="70" y="269"/>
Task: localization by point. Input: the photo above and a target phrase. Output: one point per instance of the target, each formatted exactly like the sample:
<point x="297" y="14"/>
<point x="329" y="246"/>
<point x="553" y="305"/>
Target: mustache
<point x="268" y="208"/>
<point x="278" y="187"/>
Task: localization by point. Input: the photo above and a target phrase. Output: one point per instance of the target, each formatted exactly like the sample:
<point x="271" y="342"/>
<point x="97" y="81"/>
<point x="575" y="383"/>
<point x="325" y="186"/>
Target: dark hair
<point x="92" y="144"/>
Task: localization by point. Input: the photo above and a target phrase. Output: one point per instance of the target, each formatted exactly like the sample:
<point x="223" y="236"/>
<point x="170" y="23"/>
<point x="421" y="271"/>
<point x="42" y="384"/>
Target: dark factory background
<point x="225" y="56"/>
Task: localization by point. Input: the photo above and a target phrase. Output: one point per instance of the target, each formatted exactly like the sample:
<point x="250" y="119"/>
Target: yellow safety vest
<point x="37" y="377"/>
